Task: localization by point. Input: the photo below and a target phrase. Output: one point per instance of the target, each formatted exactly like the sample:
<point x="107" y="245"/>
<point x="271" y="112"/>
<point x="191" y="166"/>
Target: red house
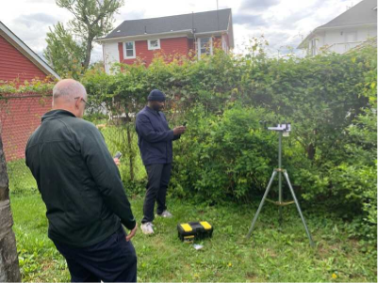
<point x="196" y="33"/>
<point x="20" y="114"/>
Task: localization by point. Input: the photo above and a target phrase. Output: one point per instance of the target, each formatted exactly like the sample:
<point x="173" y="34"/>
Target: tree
<point x="64" y="53"/>
<point x="93" y="18"/>
<point x="9" y="269"/>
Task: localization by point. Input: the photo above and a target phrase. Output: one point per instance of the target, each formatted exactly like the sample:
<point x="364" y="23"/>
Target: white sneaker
<point x="147" y="228"/>
<point x="166" y="214"/>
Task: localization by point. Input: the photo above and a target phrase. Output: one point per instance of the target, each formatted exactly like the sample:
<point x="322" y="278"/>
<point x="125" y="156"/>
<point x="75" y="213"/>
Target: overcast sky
<point x="282" y="22"/>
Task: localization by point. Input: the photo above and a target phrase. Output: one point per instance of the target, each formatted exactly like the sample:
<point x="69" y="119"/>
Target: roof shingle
<point x="210" y="21"/>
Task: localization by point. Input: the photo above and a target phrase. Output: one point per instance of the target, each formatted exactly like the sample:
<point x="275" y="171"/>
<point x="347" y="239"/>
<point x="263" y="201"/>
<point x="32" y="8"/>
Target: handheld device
<point x="118" y="155"/>
<point x="184" y="124"/>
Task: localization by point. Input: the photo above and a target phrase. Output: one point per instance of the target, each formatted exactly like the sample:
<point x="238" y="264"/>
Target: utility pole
<point x="217" y="15"/>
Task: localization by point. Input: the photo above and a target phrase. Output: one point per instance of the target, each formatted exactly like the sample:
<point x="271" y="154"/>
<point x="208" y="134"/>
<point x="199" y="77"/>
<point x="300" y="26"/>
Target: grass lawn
<point x="270" y="256"/>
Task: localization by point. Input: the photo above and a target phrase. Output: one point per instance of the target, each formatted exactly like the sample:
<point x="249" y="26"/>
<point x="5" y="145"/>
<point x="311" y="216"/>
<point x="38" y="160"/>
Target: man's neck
<point x="63" y="108"/>
<point x="152" y="109"/>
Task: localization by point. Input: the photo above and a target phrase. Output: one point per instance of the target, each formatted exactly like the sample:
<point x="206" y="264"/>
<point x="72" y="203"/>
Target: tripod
<point x="282" y="129"/>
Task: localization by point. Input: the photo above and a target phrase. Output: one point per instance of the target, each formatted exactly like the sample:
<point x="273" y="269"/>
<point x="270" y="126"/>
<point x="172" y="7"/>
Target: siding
<point x="168" y="47"/>
<point x="13" y="64"/>
<point x="19" y="117"/>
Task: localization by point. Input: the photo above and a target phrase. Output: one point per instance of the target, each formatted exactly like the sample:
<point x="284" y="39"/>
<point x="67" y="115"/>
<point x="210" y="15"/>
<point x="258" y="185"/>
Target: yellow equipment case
<point x="194" y="231"/>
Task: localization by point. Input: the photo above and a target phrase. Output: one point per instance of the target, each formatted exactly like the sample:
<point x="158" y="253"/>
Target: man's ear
<point x="77" y="103"/>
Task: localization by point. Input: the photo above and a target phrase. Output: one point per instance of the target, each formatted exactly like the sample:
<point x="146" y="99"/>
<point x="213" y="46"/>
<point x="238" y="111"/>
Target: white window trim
<point x="124" y="50"/>
<point x="153" y="47"/>
<point x="199" y="47"/>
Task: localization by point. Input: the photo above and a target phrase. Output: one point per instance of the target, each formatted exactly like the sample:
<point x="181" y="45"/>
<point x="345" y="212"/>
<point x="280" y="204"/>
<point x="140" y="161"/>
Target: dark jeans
<point x="111" y="260"/>
<point x="158" y="180"/>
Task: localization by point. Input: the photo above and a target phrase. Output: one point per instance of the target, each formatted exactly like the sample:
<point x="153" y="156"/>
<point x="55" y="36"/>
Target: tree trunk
<point x="311" y="151"/>
<point x="131" y="155"/>
<point x="9" y="269"/>
<point x="88" y="52"/>
<point x="131" y="159"/>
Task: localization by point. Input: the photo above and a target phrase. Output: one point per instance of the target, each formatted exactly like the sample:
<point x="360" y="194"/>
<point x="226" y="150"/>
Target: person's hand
<point x="132" y="233"/>
<point x="117" y="162"/>
<point x="179" y="130"/>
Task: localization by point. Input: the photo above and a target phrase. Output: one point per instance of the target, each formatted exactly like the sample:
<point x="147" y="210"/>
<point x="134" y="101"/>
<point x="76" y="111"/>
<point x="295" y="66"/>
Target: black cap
<point x="156" y="95"/>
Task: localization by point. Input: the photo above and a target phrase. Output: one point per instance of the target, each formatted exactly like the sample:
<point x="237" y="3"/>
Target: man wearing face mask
<point x="155" y="144"/>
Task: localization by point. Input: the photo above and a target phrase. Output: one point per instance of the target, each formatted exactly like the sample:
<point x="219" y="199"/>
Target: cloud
<point x="283" y="22"/>
<point x="132" y="15"/>
<point x="258" y="5"/>
<point x="39" y="1"/>
<point x="32" y="29"/>
<point x="36" y="19"/>
<point x="292" y="20"/>
<point x="249" y="20"/>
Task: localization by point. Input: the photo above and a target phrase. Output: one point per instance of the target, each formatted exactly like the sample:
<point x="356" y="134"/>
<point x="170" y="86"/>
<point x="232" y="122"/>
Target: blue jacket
<point x="154" y="137"/>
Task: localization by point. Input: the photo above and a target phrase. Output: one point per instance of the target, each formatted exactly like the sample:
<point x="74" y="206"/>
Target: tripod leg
<point x="299" y="208"/>
<point x="261" y="203"/>
<point x="280" y="201"/>
<point x="280" y="181"/>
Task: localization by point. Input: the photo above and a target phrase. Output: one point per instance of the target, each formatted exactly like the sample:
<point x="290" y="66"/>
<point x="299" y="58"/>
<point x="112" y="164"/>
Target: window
<point x="205" y="46"/>
<point x="129" y="49"/>
<point x="153" y="44"/>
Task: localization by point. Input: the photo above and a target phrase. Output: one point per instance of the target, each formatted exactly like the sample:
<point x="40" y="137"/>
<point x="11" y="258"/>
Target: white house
<point x="347" y="31"/>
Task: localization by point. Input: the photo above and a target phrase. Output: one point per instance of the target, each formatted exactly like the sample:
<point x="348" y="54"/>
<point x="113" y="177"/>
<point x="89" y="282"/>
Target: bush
<point x="224" y="157"/>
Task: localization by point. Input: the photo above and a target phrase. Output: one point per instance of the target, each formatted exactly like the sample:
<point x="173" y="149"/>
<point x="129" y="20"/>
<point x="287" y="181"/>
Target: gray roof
<point x="210" y="21"/>
<point x="363" y="13"/>
<point x="360" y="14"/>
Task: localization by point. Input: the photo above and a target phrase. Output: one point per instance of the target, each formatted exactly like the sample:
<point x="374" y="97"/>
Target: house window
<point x="153" y="44"/>
<point x="129" y="49"/>
<point x="205" y="46"/>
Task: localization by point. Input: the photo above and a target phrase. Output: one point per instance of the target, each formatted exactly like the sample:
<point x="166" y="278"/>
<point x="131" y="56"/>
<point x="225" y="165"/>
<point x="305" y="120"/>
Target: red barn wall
<point x="13" y="64"/>
<point x="19" y="117"/>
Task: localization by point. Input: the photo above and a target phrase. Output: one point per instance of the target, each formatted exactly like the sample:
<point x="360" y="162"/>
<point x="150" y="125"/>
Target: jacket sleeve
<point x="106" y="175"/>
<point x="147" y="132"/>
<point x="176" y="137"/>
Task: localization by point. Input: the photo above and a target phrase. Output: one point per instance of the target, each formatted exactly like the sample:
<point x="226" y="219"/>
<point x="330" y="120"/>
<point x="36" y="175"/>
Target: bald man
<point x="83" y="192"/>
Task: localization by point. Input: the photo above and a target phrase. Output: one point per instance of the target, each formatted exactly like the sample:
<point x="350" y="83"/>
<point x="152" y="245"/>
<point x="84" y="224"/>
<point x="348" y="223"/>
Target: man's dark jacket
<point x="154" y="137"/>
<point x="78" y="180"/>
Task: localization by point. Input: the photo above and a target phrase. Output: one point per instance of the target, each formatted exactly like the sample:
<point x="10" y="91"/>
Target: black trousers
<point x="111" y="260"/>
<point x="158" y="180"/>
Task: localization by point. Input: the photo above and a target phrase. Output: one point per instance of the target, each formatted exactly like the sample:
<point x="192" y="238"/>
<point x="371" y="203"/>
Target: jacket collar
<point x="57" y="113"/>
<point x="150" y="110"/>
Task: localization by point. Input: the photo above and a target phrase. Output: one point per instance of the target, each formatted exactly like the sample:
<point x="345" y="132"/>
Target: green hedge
<point x="226" y="155"/>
